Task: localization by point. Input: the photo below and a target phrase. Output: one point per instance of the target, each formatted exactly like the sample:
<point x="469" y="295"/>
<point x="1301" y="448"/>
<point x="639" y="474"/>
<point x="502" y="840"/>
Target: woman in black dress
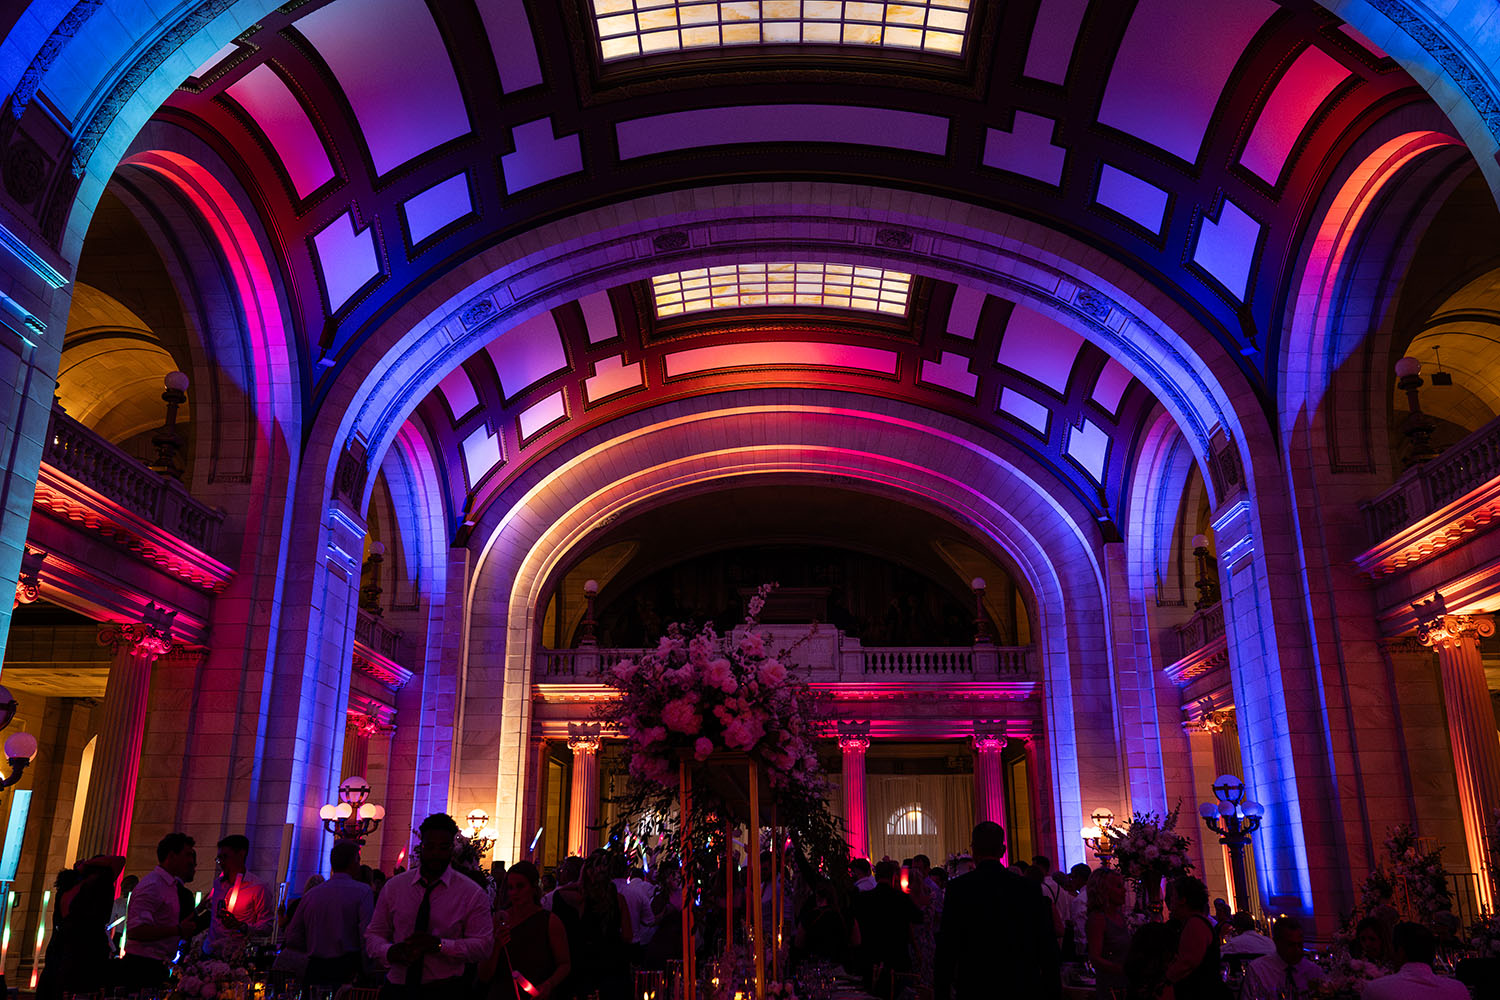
<point x="78" y="954"/>
<point x="528" y="940"/>
<point x="1194" y="972"/>
<point x="600" y="925"/>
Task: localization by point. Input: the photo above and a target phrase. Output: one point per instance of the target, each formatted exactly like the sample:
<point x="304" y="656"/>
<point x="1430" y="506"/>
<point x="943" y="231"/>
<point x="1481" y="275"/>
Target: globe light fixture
<point x="354" y="817"/>
<point x="1101" y="835"/>
<point x="481" y="834"/>
<point x="1233" y="818"/>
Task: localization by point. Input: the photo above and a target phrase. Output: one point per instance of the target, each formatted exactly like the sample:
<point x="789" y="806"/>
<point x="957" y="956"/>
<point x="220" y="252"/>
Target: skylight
<point x="642" y="27"/>
<point x="749" y="286"/>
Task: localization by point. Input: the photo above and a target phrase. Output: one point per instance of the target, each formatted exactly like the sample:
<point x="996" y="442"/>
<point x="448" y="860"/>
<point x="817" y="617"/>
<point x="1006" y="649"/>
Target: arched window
<point x="911" y="820"/>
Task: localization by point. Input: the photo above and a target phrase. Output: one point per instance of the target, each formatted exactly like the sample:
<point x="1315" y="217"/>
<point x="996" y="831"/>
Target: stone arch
<point x="707" y="442"/>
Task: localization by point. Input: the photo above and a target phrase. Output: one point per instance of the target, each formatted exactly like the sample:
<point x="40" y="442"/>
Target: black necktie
<point x="420" y="926"/>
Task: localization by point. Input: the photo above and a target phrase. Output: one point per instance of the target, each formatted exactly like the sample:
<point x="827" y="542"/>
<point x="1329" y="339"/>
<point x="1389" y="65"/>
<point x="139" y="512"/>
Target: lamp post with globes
<point x="1233" y="818"/>
<point x="1101" y="836"/>
<point x="481" y="834"/>
<point x="354" y="817"/>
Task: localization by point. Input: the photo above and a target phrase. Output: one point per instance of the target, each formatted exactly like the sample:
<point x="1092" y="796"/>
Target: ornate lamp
<point x="1233" y="818"/>
<point x="1101" y="836"/>
<point x="167" y="441"/>
<point x="20" y="748"/>
<point x="481" y="834"/>
<point x="354" y="817"/>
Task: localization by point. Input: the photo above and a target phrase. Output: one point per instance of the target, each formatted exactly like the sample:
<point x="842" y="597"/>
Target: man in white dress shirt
<point x="330" y="922"/>
<point x="161" y="914"/>
<point x="430" y="922"/>
<point x="241" y="904"/>
<point x="1246" y="940"/>
<point x="1415" y="948"/>
<point x="1284" y="973"/>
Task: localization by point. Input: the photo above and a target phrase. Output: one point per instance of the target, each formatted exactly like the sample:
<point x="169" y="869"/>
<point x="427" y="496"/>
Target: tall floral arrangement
<point x="1411" y="879"/>
<point x="698" y="694"/>
<point x="705" y="693"/>
<point x="1151" y="849"/>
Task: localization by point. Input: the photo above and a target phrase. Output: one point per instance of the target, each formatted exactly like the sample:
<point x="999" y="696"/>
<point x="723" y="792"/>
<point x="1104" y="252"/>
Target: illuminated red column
<point x="117" y="757"/>
<point x="989" y="779"/>
<point x="583" y="811"/>
<point x="854" y="740"/>
<point x="1471" y="730"/>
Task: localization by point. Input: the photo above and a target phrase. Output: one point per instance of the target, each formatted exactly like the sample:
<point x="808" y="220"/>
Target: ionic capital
<point x="585" y="737"/>
<point x="854" y="737"/>
<point x="1440" y="630"/>
<point x="151" y="637"/>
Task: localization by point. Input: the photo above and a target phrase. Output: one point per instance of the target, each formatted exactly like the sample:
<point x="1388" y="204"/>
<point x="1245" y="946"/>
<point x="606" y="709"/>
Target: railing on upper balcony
<point x="74" y="450"/>
<point x="1425" y="488"/>
<point x="1198" y="631"/>
<point x="848" y="660"/>
<point x="375" y="634"/>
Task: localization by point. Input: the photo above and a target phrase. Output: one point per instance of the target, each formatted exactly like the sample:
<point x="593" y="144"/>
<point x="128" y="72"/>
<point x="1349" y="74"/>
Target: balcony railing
<point x="832" y="657"/>
<point x="1198" y="631"/>
<point x="376" y="635"/>
<point x="1425" y="488"/>
<point x="77" y="452"/>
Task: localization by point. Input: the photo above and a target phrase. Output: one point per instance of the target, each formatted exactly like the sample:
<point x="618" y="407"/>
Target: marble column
<point x="854" y="740"/>
<point x="583" y="811"/>
<point x="117" y="755"/>
<point x="1471" y="729"/>
<point x="989" y="779"/>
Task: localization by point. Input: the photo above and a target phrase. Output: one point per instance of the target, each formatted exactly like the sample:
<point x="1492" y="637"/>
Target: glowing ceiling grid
<point x="612" y="376"/>
<point x="1052" y="39"/>
<point x="1027" y="149"/>
<point x="458" y="392"/>
<point x="541" y="415"/>
<point x="1110" y="387"/>
<point x="761" y="123"/>
<point x="1137" y="200"/>
<point x="1025" y="409"/>
<point x="346" y="258"/>
<point x="446" y="201"/>
<point x="1088" y="445"/>
<point x="804" y="283"/>
<point x="528" y="353"/>
<point x="640" y="27"/>
<point x="1226" y="248"/>
<point x="1302" y="89"/>
<point x="963" y="314"/>
<point x="781" y="354"/>
<point x="481" y="454"/>
<point x="951" y="371"/>
<point x="1040" y="347"/>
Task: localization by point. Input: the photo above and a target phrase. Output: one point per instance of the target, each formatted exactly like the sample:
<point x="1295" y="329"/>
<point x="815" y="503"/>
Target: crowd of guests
<point x="978" y="928"/>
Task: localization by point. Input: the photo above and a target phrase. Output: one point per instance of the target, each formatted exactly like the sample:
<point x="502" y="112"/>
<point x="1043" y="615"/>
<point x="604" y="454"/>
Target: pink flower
<point x="753" y="645"/>
<point x="772" y="673"/>
<point x="625" y="669"/>
<point x="720" y="674"/>
<point x="702" y="748"/>
<point x="681" y="715"/>
<point x="743" y="733"/>
<point x="652" y="734"/>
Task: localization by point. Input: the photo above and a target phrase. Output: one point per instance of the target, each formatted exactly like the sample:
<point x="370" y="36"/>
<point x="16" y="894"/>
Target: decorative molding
<point x="853" y="736"/>
<point x="1199" y="663"/>
<point x="1458" y="66"/>
<point x="152" y="636"/>
<point x="585" y="737"/>
<point x="382" y="669"/>
<point x="1206" y="716"/>
<point x="1442" y="631"/>
<point x="1474" y="513"/>
<point x="29" y="583"/>
<point x="31" y="80"/>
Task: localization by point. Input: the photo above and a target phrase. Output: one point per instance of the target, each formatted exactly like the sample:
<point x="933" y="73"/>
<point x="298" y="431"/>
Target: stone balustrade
<point x="77" y="452"/>
<point x="1198" y="631"/>
<point x="371" y="631"/>
<point x="1425" y="488"/>
<point x="824" y="654"/>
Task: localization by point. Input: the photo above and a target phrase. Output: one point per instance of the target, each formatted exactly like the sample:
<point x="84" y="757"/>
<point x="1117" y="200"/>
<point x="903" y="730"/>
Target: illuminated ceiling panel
<point x="750" y="286"/>
<point x="640" y="27"/>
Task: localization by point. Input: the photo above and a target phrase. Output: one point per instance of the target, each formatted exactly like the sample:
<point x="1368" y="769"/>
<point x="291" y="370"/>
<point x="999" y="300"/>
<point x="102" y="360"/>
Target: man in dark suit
<point x="996" y="934"/>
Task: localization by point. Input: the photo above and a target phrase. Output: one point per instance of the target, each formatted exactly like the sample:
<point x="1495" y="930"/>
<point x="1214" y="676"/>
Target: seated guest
<point x="1370" y="943"/>
<point x="1415" y="947"/>
<point x="161" y="914"/>
<point x="329" y="925"/>
<point x="1286" y="972"/>
<point x="1245" y="939"/>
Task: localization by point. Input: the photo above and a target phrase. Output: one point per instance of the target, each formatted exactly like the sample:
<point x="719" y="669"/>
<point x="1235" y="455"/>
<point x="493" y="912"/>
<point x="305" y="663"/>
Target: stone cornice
<point x="1200" y="662"/>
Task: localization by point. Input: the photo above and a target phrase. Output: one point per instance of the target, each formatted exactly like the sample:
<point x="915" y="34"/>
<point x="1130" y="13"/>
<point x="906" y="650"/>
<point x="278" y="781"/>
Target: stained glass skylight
<point x="641" y="27"/>
<point x="749" y="286"/>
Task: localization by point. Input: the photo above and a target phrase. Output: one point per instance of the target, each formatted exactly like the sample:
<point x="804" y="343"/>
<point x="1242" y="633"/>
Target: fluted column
<point x="583" y="812"/>
<point x="357" y="730"/>
<point x="1471" y="729"/>
<point x="854" y="740"/>
<point x="117" y="755"/>
<point x="989" y="778"/>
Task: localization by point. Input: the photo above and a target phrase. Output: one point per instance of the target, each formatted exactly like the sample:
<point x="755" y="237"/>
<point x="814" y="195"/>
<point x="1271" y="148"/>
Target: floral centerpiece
<point x="1413" y="879"/>
<point x="200" y="976"/>
<point x="1344" y="978"/>
<point x="1484" y="936"/>
<point x="1152" y="849"/>
<point x="698" y="694"/>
